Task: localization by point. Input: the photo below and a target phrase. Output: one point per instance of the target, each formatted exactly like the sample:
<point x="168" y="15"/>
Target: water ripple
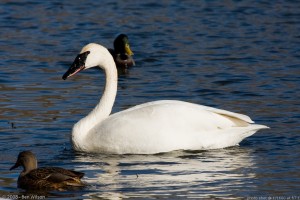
<point x="237" y="55"/>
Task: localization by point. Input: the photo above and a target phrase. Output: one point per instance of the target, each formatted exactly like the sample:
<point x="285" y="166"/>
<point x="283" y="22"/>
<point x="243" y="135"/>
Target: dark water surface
<point x="243" y="56"/>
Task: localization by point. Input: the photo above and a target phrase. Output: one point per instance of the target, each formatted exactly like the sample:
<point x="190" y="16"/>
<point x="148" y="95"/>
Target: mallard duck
<point x="122" y="53"/>
<point x="52" y="178"/>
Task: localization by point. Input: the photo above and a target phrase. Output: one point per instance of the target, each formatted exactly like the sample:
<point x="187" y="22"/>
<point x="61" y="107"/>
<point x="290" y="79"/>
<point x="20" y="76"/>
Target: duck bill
<point x="128" y="50"/>
<point x="15" y="166"/>
<point x="77" y="66"/>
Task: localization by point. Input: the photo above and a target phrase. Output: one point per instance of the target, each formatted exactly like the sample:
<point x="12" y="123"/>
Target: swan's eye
<point x="82" y="57"/>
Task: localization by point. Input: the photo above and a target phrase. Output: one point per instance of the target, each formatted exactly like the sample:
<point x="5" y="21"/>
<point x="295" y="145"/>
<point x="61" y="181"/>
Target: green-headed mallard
<point x="52" y="178"/>
<point x="122" y="53"/>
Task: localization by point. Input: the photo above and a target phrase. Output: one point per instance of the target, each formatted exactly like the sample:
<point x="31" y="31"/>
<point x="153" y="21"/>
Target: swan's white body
<point x="153" y="127"/>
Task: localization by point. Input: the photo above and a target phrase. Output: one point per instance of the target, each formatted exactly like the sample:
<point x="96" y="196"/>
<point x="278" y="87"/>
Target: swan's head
<point x="91" y="55"/>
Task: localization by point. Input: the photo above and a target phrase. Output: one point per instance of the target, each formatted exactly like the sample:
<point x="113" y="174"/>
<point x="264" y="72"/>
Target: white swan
<point x="153" y="127"/>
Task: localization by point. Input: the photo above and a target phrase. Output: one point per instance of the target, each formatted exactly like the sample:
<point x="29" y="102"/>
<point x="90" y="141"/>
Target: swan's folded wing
<point x="197" y="106"/>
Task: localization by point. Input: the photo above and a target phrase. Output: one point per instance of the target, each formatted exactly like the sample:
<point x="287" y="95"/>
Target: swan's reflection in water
<point x="174" y="174"/>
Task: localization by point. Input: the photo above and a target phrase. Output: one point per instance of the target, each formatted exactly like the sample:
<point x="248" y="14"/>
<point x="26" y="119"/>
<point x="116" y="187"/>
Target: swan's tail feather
<point x="253" y="128"/>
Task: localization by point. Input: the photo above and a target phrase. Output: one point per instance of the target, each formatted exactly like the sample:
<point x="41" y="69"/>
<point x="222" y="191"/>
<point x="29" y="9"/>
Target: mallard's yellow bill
<point x="128" y="50"/>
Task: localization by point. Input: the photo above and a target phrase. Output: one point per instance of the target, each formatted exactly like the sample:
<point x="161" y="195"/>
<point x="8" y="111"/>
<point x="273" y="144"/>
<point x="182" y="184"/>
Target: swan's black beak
<point x="77" y="66"/>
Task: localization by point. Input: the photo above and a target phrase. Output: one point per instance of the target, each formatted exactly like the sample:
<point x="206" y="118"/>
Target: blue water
<point x="242" y="56"/>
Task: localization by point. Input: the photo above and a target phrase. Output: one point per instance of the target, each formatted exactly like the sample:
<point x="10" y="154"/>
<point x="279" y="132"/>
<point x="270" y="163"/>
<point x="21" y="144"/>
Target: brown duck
<point x="51" y="178"/>
<point x="122" y="53"/>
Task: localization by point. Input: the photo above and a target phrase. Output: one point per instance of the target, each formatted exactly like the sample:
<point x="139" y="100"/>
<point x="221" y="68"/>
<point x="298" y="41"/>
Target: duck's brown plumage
<point x="53" y="178"/>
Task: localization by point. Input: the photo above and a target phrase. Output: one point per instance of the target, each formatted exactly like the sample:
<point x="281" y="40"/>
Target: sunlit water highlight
<point x="241" y="56"/>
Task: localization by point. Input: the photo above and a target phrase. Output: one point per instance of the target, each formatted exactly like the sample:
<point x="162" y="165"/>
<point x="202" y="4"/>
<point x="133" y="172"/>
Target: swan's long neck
<point x="103" y="108"/>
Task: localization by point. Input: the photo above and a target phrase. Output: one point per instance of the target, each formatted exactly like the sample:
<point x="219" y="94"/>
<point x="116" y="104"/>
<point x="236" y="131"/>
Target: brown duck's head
<point x="27" y="160"/>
